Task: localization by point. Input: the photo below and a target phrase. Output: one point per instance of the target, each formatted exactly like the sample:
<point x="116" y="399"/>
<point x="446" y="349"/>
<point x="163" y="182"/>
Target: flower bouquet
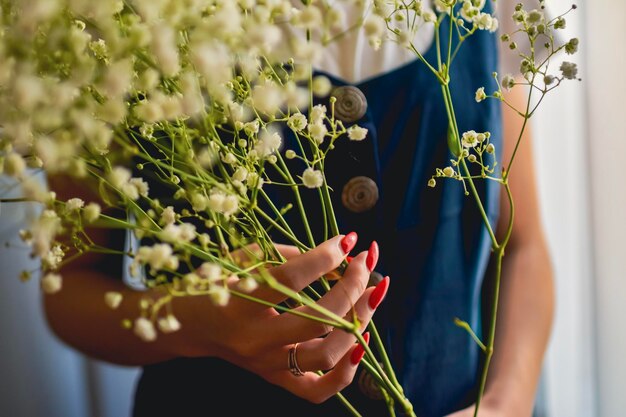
<point x="197" y="127"/>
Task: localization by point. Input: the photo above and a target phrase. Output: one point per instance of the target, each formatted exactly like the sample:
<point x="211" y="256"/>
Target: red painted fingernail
<point x="359" y="351"/>
<point x="348" y="242"/>
<point x="372" y="256"/>
<point x="349" y="259"/>
<point x="379" y="293"/>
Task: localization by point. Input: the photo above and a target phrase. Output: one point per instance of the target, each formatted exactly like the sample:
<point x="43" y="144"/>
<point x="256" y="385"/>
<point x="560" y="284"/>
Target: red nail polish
<point x="379" y="293"/>
<point x="372" y="256"/>
<point x="348" y="242"/>
<point x="359" y="351"/>
<point x="349" y="259"/>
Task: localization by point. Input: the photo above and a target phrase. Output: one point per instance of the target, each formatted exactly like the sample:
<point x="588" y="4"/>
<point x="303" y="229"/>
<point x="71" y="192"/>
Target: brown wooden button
<point x="368" y="386"/>
<point x="351" y="103"/>
<point x="359" y="194"/>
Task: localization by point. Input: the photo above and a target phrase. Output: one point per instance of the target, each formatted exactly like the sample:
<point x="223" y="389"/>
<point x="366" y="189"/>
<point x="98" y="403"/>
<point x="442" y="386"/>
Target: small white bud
<point x="312" y="178"/>
<point x="145" y="330"/>
<point x="113" y="299"/>
<point x="168" y="324"/>
<point x="51" y="283"/>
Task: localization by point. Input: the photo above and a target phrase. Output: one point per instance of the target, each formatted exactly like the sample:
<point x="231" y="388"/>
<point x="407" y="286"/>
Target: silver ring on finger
<point x="292" y="362"/>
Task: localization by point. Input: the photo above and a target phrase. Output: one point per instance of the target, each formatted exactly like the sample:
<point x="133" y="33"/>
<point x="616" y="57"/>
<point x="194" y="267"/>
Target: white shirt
<point x="353" y="60"/>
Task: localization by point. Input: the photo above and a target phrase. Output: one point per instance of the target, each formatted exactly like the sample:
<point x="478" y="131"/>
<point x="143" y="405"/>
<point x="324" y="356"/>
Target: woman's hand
<point x="258" y="338"/>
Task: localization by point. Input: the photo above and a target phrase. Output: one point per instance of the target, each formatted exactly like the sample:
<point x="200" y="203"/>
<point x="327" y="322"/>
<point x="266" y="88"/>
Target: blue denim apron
<point x="432" y="241"/>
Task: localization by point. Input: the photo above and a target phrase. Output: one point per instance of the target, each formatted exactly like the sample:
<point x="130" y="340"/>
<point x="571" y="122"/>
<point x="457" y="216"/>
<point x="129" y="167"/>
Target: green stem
<point x="452" y="119"/>
<point x="383" y="354"/>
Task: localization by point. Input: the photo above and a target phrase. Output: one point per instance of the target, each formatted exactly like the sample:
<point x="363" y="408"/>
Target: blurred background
<point x="579" y="147"/>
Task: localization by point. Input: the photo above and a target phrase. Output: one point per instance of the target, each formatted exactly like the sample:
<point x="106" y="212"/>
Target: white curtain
<point x="579" y="146"/>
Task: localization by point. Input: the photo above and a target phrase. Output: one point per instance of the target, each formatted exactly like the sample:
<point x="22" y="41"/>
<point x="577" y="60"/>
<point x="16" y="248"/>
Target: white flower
<point x="357" y="133"/>
<point x="267" y="98"/>
<point x="135" y="188"/>
<point x="165" y="50"/>
<point x="219" y="295"/>
<point x="569" y="70"/>
<point x="491" y="148"/>
<point x="321" y="86"/>
<point x="117" y="80"/>
<point x="571" y="47"/>
<point x="190" y="281"/>
<point x="229" y="158"/>
<point x="185" y="232"/>
<point x="251" y="128"/>
<point x="296" y="97"/>
<point x="216" y="201"/>
<point x="468" y="11"/>
<point x="51" y="283"/>
<point x="213" y="61"/>
<point x="240" y="174"/>
<point x="485" y="21"/>
<point x="14" y="165"/>
<point x="254" y="181"/>
<point x="429" y="16"/>
<point x="318" y="131"/>
<point x="469" y="139"/>
<point x="199" y="202"/>
<point x="432" y="183"/>
<point x="263" y="36"/>
<point x="312" y="178"/>
<point x="230" y="205"/>
<point x="297" y="122"/>
<point x="74" y="204"/>
<point x="53" y="258"/>
<point x="168" y="216"/>
<point x="508" y="81"/>
<point x="309" y="18"/>
<point x="443" y="6"/>
<point x="375" y="26"/>
<point x="535" y="16"/>
<point x="145" y="330"/>
<point x="28" y="91"/>
<point x="268" y="143"/>
<point x="318" y="112"/>
<point x="247" y="284"/>
<point x="480" y="95"/>
<point x="43" y="232"/>
<point x="168" y="324"/>
<point x="113" y="299"/>
<point x="158" y="256"/>
<point x="33" y="190"/>
<point x="448" y="171"/>
<point x="119" y="176"/>
<point x="210" y="271"/>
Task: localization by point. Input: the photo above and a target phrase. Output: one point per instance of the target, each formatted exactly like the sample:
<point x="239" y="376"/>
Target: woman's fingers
<point x="252" y="252"/>
<point x="318" y="388"/>
<point x="339" y="300"/>
<point x="300" y="271"/>
<point x="324" y="353"/>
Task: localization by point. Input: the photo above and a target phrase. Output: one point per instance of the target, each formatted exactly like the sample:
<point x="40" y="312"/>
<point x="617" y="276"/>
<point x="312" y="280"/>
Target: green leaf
<point x="453" y="142"/>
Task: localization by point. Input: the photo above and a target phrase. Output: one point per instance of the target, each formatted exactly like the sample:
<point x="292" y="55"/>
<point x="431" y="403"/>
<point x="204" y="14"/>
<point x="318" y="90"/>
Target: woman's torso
<point x="432" y="245"/>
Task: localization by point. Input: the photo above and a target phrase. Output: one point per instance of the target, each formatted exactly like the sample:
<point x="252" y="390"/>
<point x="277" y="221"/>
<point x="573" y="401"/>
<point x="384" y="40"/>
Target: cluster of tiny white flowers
<point x="133" y="188"/>
<point x="160" y="256"/>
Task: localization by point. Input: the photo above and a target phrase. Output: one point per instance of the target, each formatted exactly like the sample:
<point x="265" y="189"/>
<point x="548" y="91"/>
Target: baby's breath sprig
<point x="181" y="118"/>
